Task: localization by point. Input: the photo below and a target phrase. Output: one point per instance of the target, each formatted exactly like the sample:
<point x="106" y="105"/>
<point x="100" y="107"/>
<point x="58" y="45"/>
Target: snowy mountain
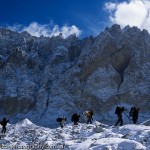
<point x="45" y="78"/>
<point x="97" y="136"/>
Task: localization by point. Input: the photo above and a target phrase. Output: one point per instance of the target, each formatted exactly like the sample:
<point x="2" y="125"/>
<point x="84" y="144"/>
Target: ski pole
<point x="127" y="117"/>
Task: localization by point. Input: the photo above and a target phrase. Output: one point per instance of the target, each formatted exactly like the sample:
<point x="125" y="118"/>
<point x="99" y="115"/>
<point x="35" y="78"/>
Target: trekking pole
<point x="127" y="117"/>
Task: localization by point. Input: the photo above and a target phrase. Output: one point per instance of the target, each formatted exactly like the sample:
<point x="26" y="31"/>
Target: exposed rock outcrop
<point x="50" y="77"/>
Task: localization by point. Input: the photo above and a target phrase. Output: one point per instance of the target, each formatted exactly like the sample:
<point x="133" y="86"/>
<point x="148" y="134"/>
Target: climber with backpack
<point x="75" y="118"/>
<point x="131" y="111"/>
<point x="61" y="121"/>
<point x="134" y="113"/>
<point x="118" y="112"/>
<point x="4" y="123"/>
<point x="89" y="115"/>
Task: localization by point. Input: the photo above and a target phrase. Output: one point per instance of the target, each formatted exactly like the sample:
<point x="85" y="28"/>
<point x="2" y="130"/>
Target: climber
<point x="62" y="121"/>
<point x="89" y="115"/>
<point x="131" y="111"/>
<point x="134" y="113"/>
<point x="75" y="118"/>
<point x="4" y="123"/>
<point x="118" y="112"/>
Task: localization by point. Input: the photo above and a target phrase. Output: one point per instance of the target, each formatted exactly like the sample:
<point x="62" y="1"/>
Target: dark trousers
<point x="134" y="119"/>
<point x="61" y="124"/>
<point x="89" y="120"/>
<point x="75" y="123"/>
<point x="3" y="129"/>
<point x="120" y="120"/>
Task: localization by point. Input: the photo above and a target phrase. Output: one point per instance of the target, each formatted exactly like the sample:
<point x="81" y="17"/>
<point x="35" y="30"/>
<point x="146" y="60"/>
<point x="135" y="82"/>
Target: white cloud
<point x="47" y="30"/>
<point x="110" y="6"/>
<point x="16" y="27"/>
<point x="37" y="29"/>
<point x="132" y="13"/>
<point x="65" y="30"/>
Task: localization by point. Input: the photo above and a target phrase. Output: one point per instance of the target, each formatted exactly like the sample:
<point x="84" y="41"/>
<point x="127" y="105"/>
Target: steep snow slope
<point x="82" y="137"/>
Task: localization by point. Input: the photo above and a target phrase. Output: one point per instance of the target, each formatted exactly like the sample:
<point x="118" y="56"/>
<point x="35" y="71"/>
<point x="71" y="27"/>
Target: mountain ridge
<point x="43" y="78"/>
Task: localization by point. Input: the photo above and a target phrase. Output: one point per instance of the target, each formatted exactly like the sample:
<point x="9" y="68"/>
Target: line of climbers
<point x="75" y="118"/>
<point x="89" y="115"/>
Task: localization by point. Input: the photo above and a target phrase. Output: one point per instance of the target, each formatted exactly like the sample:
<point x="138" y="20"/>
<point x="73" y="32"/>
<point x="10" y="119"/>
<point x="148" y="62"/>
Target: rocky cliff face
<point x="43" y="78"/>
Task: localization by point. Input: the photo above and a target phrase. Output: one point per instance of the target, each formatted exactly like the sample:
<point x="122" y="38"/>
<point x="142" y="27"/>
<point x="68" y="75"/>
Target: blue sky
<point x="87" y="17"/>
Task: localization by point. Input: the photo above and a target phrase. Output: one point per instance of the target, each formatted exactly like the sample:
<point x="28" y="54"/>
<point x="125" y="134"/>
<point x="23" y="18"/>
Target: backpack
<point x="117" y="111"/>
<point x="75" y="117"/>
<point x="88" y="113"/>
<point x="4" y="122"/>
<point x="131" y="112"/>
<point x="92" y="113"/>
<point x="59" y="119"/>
<point x="133" y="109"/>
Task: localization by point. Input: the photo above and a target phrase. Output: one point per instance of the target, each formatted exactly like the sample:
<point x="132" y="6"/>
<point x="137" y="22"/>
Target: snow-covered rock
<point x="45" y="78"/>
<point x="25" y="135"/>
<point x="146" y="123"/>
